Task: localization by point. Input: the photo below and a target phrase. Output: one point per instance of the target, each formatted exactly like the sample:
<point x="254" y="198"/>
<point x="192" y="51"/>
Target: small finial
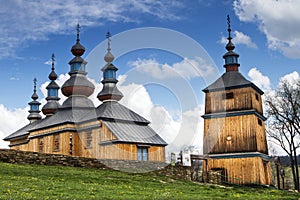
<point x="53" y="59"/>
<point x="34" y="84"/>
<point x="229" y="29"/>
<point x="108" y="35"/>
<point x="34" y="95"/>
<point x="78" y="32"/>
<point x="108" y="57"/>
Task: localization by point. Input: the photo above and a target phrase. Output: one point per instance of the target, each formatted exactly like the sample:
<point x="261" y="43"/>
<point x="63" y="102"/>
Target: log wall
<point x="234" y="134"/>
<point x="243" y="99"/>
<point x="242" y="170"/>
<point x="99" y="134"/>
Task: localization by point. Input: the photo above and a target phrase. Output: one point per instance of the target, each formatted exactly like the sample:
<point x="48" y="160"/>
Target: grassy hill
<point x="57" y="182"/>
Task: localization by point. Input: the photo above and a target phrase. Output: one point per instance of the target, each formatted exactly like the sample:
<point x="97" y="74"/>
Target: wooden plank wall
<point x="243" y="99"/>
<point x="99" y="134"/>
<point x="243" y="170"/>
<point x="246" y="135"/>
<point x="112" y="151"/>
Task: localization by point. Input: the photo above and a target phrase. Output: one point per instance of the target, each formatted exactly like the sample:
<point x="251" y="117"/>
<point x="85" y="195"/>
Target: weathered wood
<point x="243" y="99"/>
<point x="99" y="133"/>
<point x="234" y="134"/>
<point x="231" y="126"/>
<point x="242" y="170"/>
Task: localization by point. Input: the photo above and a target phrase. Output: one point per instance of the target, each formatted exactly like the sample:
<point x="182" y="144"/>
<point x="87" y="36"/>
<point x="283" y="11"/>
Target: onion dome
<point x="109" y="92"/>
<point x="231" y="58"/>
<point x="77" y="88"/>
<point x="34" y="106"/>
<point x="52" y="99"/>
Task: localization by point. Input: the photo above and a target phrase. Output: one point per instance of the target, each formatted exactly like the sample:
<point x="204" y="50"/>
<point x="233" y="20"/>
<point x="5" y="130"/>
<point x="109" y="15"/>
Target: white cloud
<point x="14" y="78"/>
<point x="259" y="79"/>
<point x="240" y="38"/>
<point x="278" y="20"/>
<point x="290" y="78"/>
<point x="187" y="68"/>
<point x="34" y="20"/>
<point x="178" y="133"/>
<point x="10" y="121"/>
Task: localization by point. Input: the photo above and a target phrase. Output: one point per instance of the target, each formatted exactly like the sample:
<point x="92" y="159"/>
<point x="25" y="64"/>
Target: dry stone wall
<point x="26" y="157"/>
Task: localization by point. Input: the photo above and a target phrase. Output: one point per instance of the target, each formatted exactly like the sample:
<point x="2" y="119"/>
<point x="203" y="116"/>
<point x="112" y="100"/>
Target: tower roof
<point x="231" y="58"/>
<point x="110" y="91"/>
<point x="34" y="105"/>
<point x="52" y="99"/>
<point x="78" y="88"/>
<point x="232" y="78"/>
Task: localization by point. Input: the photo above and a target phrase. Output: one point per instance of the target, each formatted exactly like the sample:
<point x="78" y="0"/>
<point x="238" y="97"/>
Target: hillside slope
<point x="58" y="182"/>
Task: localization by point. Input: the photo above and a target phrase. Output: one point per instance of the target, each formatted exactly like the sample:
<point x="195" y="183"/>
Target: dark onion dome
<point x="52" y="99"/>
<point x="34" y="106"/>
<point x="231" y="58"/>
<point x="77" y="88"/>
<point x="78" y="85"/>
<point x="109" y="91"/>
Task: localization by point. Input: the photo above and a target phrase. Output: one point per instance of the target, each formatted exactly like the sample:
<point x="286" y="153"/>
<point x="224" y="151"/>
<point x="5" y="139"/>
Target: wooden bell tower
<point x="234" y="132"/>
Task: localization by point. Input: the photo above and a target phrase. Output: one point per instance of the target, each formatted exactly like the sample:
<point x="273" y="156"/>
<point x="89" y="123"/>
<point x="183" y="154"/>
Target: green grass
<point x="58" y="182"/>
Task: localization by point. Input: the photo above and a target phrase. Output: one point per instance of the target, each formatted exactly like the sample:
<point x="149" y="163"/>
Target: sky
<point x="166" y="52"/>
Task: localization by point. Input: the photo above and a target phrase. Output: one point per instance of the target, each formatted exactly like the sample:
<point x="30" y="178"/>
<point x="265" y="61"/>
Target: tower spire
<point x="77" y="88"/>
<point x="78" y="32"/>
<point x="34" y="105"/>
<point x="109" y="92"/>
<point x="231" y="58"/>
<point x="52" y="99"/>
<point x="109" y="57"/>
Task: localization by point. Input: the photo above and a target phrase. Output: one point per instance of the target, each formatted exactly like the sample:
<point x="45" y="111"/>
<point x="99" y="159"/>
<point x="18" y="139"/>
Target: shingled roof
<point x="116" y="111"/>
<point x="134" y="133"/>
<point x="231" y="80"/>
<point x="62" y="116"/>
<point x="22" y="131"/>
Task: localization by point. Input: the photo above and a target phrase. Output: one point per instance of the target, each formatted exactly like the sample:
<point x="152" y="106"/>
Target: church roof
<point x="134" y="133"/>
<point x="116" y="111"/>
<point x="22" y="131"/>
<point x="62" y="116"/>
<point x="231" y="80"/>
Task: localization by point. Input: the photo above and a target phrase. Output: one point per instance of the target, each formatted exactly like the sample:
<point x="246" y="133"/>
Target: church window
<point x="89" y="139"/>
<point x="56" y="142"/>
<point x="256" y="97"/>
<point x="228" y="95"/>
<point x="259" y="122"/>
<point x="143" y="153"/>
<point x="41" y="145"/>
<point x="109" y="74"/>
<point x="52" y="92"/>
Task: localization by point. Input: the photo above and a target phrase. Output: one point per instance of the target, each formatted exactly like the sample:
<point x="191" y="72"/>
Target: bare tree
<point x="283" y="111"/>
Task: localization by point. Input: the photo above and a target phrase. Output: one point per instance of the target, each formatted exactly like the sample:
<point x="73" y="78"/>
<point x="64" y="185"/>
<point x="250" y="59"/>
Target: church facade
<point x="77" y="128"/>
<point x="234" y="133"/>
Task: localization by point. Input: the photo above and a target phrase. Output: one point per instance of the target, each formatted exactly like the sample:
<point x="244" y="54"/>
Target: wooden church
<point x="234" y="133"/>
<point x="77" y="128"/>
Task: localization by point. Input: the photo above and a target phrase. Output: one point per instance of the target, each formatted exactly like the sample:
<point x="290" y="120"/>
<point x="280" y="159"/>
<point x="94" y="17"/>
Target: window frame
<point x="56" y="142"/>
<point x="143" y="153"/>
<point x="41" y="145"/>
<point x="89" y="139"/>
<point x="227" y="95"/>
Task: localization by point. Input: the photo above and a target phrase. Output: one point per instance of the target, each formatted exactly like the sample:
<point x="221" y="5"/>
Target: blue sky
<point x="266" y="35"/>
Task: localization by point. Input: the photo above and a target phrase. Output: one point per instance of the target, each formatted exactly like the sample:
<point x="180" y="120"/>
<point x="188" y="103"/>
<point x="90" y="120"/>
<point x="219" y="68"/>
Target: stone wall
<point x="26" y="157"/>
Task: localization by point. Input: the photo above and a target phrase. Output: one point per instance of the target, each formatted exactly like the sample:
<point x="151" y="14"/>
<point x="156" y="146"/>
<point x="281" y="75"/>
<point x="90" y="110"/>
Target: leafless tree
<point x="283" y="125"/>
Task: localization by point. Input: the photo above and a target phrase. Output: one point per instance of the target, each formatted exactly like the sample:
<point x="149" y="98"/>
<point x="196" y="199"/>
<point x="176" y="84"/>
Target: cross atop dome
<point x="231" y="58"/>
